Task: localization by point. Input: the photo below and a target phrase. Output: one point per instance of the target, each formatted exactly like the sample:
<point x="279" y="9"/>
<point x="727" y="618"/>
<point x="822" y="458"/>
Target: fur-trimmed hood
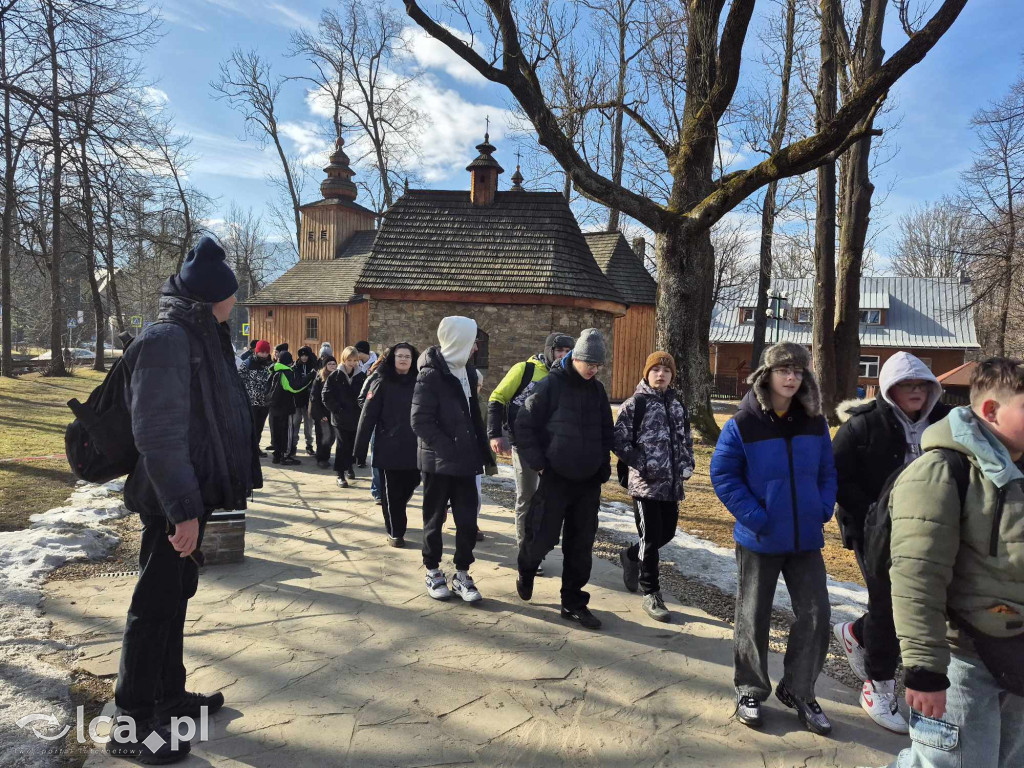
<point x="787" y="353"/>
<point x="846" y="409"/>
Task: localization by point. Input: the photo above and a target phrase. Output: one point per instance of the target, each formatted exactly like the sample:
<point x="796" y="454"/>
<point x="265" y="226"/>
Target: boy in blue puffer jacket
<point x="773" y="470"/>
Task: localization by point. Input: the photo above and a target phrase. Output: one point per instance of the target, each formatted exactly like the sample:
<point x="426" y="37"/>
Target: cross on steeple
<point x="487" y="121"/>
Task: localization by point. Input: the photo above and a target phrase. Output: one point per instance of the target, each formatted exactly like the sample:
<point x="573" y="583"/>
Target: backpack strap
<point x="960" y="466"/>
<point x="639" y="411"/>
<point x="524" y="380"/>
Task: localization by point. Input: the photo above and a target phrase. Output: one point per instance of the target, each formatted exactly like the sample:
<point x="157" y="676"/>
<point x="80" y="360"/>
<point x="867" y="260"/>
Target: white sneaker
<point x="854" y="650"/>
<point x="878" y="699"/>
<point x="437" y="585"/>
<point x="463" y="586"/>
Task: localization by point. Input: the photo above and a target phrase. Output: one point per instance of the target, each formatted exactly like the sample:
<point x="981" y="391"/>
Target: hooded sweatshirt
<point x="456" y="336"/>
<point x="901" y="367"/>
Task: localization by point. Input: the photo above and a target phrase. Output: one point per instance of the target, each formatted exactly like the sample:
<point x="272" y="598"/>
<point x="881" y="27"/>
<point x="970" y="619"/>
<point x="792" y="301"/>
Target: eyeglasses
<point x="911" y="386"/>
<point x="789" y="370"/>
<point x="403" y="357"/>
<point x="593" y="367"/>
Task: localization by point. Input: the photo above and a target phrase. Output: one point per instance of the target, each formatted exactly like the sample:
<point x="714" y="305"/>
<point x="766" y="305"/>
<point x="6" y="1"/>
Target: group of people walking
<point x="948" y="484"/>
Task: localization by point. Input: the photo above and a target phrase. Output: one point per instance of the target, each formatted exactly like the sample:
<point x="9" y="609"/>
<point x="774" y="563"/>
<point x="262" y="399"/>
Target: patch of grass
<point x="33" y="415"/>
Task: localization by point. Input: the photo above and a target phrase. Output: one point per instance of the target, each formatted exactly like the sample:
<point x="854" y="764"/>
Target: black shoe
<point x="309" y="449"/>
<point x="342" y="482"/>
<point x="396" y="541"/>
<point x="480" y="535"/>
<point x="630" y="570"/>
<point x="809" y="712"/>
<point x="324" y="464"/>
<point x="351" y="474"/>
<point x="581" y="616"/>
<point x="361" y="465"/>
<point x="748" y="711"/>
<point x="145" y="748"/>
<point x="290" y="461"/>
<point x="276" y="460"/>
<point x="269" y="449"/>
<point x="263" y="454"/>
<point x="524" y="586"/>
<point x="379" y="502"/>
<point x="191" y="706"/>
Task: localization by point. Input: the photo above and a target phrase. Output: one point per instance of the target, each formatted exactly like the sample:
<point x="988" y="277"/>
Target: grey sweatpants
<point x="526" y="485"/>
<point x="807" y="646"/>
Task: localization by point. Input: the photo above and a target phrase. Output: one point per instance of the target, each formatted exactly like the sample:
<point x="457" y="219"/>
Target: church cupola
<point x="517" y="180"/>
<point x="338" y="184"/>
<point x="483" y="174"/>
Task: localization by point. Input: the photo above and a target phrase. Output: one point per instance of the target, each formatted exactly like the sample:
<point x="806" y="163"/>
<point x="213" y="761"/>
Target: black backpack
<point x="99" y="443"/>
<point x="621" y="468"/>
<point x="878" y="522"/>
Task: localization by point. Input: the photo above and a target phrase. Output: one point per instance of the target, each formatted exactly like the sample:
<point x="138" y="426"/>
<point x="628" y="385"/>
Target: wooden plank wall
<point x="341" y="325"/>
<point x="340" y="223"/>
<point x="634" y="335"/>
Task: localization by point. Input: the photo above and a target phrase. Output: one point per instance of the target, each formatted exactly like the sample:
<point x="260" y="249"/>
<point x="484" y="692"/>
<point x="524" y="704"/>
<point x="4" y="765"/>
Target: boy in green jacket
<point x="957" y="571"/>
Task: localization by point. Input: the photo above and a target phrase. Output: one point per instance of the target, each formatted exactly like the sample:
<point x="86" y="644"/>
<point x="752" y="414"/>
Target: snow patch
<point x="30" y="684"/>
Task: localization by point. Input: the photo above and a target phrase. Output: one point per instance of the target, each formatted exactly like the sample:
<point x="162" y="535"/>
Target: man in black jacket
<point x="564" y="432"/>
<point x="305" y="369"/>
<point x="452" y="451"/>
<point x="193" y="428"/>
<point x="877" y="439"/>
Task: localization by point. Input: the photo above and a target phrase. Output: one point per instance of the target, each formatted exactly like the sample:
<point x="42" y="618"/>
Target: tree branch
<point x="730" y="52"/>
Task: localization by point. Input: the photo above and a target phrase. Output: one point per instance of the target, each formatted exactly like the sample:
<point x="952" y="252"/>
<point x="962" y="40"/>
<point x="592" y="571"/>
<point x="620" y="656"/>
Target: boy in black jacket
<point x="284" y="385"/>
<point x="877" y="439"/>
<point x="564" y="432"/>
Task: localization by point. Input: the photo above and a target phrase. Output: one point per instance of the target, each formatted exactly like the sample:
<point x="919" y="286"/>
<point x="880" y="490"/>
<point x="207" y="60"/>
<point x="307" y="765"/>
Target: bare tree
<point x="992" y="189"/>
<point x="248" y="85"/>
<point x="687" y="139"/>
<point x="932" y="241"/>
<point x="360" y="58"/>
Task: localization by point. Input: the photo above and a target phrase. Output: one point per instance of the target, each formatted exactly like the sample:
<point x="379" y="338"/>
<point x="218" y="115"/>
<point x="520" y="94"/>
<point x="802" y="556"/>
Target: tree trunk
<point x="684" y="258"/>
<point x="90" y="256"/>
<point x="618" y="144"/>
<point x="856" y="215"/>
<point x="823" y="343"/>
<point x="764" y="277"/>
<point x="57" y="367"/>
<point x="6" y="345"/>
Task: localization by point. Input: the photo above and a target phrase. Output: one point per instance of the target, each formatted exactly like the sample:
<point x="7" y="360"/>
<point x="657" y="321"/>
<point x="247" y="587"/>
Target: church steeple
<point x="338" y="184"/>
<point x="483" y="174"/>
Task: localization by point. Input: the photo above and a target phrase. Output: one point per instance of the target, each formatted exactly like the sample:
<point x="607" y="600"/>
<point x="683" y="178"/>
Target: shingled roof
<point x="524" y="243"/>
<point x="326" y="281"/>
<point x="622" y="266"/>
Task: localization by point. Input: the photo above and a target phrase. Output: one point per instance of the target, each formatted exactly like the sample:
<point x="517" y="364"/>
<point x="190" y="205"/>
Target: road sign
<point x="72" y="322"/>
<point x="245" y="329"/>
<point x="136" y="321"/>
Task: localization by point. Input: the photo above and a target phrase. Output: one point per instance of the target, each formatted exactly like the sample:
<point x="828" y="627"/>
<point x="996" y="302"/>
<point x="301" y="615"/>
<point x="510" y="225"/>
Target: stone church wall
<point x="515" y="331"/>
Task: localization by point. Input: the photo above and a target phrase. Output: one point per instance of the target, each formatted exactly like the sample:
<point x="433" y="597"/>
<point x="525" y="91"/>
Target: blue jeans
<point x="982" y="726"/>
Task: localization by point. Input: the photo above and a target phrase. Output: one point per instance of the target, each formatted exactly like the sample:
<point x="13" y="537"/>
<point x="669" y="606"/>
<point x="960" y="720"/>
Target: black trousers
<point x="280" y="432"/>
<point x="152" y="668"/>
<point x="656" y="523"/>
<point x="438" y="492"/>
<point x="259" y="420"/>
<point x="876" y="630"/>
<point x="396" y="488"/>
<point x="324" y="440"/>
<point x="345" y="441"/>
<point x="569" y="507"/>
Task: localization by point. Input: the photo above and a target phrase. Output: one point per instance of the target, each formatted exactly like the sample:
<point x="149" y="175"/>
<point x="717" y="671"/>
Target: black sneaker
<point x="309" y="449"/>
<point x="151" y="746"/>
<point x="581" y="616"/>
<point x="342" y="482"/>
<point x="351" y="474"/>
<point x="191" y="705"/>
<point x="361" y="465"/>
<point x="630" y="570"/>
<point x="290" y="461"/>
<point x="323" y="464"/>
<point x="396" y="541"/>
<point x="524" y="586"/>
<point x="276" y="460"/>
<point x="263" y="454"/>
<point x="809" y="712"/>
<point x="480" y="535"/>
<point x="748" y="711"/>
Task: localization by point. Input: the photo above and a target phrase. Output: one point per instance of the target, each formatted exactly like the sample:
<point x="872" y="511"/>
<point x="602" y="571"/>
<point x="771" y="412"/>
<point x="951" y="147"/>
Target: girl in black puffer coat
<point x="341" y="397"/>
<point x="318" y="413"/>
<point x="387" y="410"/>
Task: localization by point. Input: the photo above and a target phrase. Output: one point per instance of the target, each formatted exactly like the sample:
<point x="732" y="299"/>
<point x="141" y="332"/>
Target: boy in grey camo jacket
<point x="659" y="455"/>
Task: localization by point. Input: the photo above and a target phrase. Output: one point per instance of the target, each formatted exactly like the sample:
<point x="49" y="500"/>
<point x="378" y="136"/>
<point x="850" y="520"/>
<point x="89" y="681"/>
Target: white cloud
<point x="290" y="17"/>
<point x="309" y="142"/>
<point x="220" y="155"/>
<point x="156" y="96"/>
<point x="431" y="53"/>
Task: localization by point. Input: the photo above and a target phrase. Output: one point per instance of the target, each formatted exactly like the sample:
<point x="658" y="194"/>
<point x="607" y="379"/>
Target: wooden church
<point x="515" y="261"/>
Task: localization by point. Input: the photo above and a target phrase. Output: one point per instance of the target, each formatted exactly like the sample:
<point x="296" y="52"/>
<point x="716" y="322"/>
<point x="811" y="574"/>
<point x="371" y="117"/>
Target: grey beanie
<point x="590" y="347"/>
<point x="557" y="340"/>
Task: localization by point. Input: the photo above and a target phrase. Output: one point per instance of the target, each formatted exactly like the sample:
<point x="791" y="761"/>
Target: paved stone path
<point x="330" y="653"/>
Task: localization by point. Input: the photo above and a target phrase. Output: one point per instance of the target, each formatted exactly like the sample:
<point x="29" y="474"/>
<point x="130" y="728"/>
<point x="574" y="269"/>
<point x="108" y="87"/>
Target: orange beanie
<point x="659" y="358"/>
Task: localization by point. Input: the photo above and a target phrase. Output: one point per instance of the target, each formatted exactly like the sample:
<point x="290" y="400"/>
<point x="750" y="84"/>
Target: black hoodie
<point x="387" y="409"/>
<point x="304" y="372"/>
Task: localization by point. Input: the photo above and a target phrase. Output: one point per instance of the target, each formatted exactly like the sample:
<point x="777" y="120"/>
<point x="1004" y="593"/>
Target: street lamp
<point x="775" y="310"/>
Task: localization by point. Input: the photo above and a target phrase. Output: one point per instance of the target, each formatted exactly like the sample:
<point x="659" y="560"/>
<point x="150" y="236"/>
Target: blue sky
<point x="973" y="64"/>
